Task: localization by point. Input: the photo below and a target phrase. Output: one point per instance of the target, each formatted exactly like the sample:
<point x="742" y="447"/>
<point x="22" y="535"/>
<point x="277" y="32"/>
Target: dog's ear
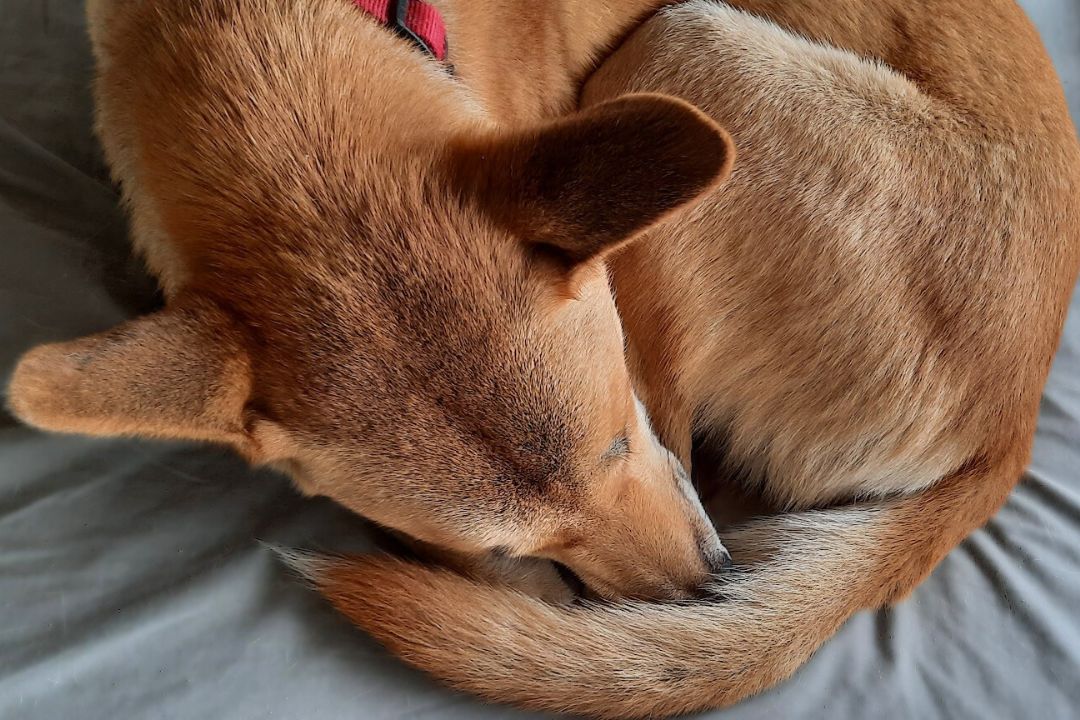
<point x="583" y="185"/>
<point x="181" y="373"/>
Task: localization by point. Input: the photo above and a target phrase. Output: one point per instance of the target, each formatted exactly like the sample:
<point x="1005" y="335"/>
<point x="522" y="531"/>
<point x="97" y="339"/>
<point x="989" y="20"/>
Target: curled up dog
<point x="499" y="326"/>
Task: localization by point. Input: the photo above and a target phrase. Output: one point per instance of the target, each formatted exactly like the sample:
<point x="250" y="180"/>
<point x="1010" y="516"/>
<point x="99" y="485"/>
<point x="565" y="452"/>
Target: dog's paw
<point x="531" y="576"/>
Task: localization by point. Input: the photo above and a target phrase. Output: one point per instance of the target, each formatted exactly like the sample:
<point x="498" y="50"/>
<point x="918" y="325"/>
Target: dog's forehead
<point x="452" y="417"/>
<point x="430" y="358"/>
<point x="408" y="321"/>
<point x="394" y="265"/>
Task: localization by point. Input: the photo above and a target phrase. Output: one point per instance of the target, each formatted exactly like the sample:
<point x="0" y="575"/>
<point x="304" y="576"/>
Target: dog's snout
<point x="715" y="561"/>
<point x="718" y="561"/>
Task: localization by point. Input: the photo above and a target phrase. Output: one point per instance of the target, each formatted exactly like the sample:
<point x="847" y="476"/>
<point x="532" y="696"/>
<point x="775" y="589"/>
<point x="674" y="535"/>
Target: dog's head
<point x="431" y="341"/>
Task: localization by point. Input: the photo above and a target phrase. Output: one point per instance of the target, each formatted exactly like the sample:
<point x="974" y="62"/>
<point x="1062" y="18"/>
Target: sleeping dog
<point x="434" y="294"/>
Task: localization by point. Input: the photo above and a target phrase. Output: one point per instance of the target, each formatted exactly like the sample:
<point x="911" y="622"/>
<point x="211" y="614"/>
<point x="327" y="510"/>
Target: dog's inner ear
<point x="583" y="185"/>
<point x="181" y="373"/>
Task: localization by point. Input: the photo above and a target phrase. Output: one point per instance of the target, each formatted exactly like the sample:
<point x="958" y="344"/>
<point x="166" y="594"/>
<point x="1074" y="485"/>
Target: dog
<point x="410" y="288"/>
<point x="859" y="321"/>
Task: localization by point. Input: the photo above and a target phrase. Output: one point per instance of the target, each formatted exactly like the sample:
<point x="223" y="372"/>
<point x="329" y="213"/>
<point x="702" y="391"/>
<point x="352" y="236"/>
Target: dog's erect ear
<point x="585" y="184"/>
<point x="180" y="373"/>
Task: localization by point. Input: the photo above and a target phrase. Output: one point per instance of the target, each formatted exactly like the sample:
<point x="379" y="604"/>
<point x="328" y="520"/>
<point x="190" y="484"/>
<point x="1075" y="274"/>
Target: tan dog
<point x="391" y="283"/>
<point x="867" y="310"/>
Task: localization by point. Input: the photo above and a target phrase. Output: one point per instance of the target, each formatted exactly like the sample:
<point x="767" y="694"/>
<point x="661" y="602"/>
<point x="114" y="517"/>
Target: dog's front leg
<point x="536" y="577"/>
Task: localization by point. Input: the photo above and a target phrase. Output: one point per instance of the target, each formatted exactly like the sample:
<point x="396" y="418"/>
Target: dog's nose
<point x="718" y="561"/>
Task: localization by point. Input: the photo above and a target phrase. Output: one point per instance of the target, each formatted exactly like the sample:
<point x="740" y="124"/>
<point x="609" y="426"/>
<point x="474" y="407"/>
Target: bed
<point x="134" y="582"/>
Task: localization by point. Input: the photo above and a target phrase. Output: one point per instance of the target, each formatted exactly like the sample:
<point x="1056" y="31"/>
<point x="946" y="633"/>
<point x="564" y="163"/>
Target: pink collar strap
<point x="414" y="20"/>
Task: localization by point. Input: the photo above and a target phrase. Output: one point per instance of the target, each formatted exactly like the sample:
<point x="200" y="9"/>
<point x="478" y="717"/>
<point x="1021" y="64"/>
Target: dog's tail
<point x="808" y="572"/>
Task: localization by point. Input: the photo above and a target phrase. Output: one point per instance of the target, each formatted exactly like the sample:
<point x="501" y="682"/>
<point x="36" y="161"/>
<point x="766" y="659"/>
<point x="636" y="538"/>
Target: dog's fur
<point x="392" y="284"/>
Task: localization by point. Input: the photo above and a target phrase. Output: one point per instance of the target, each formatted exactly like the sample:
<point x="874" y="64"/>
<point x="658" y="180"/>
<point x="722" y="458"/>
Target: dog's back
<point x="875" y="295"/>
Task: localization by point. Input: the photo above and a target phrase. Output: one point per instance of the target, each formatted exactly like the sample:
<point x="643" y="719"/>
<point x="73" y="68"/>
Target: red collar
<point x="414" y="20"/>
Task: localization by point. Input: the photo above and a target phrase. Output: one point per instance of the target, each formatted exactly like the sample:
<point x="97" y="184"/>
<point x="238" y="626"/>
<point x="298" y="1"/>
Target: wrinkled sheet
<point x="133" y="584"/>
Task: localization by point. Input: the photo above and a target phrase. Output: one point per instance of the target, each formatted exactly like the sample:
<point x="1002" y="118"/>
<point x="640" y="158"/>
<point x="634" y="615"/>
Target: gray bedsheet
<point x="132" y="583"/>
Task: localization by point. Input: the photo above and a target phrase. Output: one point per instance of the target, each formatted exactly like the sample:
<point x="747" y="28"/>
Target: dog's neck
<point x="515" y="63"/>
<point x="525" y="59"/>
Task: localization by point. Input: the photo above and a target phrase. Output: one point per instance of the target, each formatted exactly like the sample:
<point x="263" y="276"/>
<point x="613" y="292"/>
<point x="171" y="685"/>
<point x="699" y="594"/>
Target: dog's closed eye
<point x="619" y="447"/>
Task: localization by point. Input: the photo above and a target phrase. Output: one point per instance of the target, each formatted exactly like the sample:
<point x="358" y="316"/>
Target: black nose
<point x="718" y="562"/>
